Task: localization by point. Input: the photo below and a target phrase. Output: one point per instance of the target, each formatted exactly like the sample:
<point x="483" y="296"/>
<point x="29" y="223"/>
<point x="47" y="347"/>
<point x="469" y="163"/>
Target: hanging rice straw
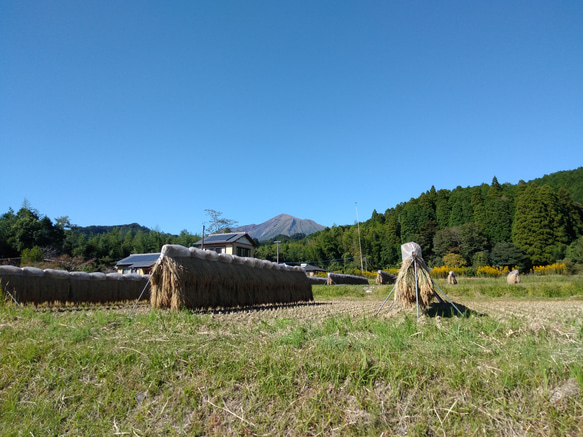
<point x="414" y="278"/>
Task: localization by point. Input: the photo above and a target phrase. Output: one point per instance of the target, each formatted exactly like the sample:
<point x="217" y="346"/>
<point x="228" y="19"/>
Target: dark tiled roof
<point x="139" y="260"/>
<point x="224" y="238"/>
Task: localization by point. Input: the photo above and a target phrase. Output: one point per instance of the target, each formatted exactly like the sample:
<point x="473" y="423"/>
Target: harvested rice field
<point x="541" y="311"/>
<point x="512" y="366"/>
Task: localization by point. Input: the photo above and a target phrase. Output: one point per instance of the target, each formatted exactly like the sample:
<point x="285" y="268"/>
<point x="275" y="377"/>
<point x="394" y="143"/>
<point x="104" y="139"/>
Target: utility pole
<point x="202" y="244"/>
<point x="277" y="242"/>
<point x="359" y="244"/>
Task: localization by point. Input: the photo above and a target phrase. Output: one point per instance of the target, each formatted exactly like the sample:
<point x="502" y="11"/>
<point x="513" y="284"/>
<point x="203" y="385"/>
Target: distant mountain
<point x="282" y="224"/>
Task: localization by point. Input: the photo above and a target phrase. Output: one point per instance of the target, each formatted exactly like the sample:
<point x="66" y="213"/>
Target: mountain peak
<point x="282" y="224"/>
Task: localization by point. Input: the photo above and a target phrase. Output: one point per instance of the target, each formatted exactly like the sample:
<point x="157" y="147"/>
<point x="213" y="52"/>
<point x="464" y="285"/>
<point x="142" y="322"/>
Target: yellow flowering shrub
<point x="494" y="272"/>
<point x="443" y="271"/>
<point x="552" y="269"/>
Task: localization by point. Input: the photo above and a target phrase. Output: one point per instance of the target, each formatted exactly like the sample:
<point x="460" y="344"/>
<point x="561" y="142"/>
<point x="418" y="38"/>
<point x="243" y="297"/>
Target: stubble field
<point x="512" y="365"/>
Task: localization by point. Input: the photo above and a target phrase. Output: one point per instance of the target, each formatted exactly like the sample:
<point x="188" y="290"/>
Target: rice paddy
<point x="510" y="366"/>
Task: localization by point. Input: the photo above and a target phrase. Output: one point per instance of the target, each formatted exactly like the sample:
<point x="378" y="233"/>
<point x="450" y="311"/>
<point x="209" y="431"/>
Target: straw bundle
<point x="414" y="278"/>
<point x="513" y="277"/>
<point x="56" y="288"/>
<point x="33" y="277"/>
<point x="337" y="278"/>
<point x="451" y="278"/>
<point x="385" y="278"/>
<point x="33" y="285"/>
<point x="80" y="287"/>
<point x="11" y="280"/>
<point x="193" y="278"/>
<point x="133" y="286"/>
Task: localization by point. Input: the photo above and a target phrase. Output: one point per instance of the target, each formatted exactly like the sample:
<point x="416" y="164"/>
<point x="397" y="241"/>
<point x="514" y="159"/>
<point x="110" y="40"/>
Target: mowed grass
<point x="99" y="372"/>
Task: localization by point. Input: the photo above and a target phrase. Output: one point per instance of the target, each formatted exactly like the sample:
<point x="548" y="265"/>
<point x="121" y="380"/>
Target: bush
<point x="31" y="256"/>
<point x="454" y="259"/>
<point x="552" y="269"/>
<point x="494" y="272"/>
<point x="443" y="271"/>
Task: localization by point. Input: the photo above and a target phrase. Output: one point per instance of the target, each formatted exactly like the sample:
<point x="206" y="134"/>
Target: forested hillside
<point x="535" y="223"/>
<point x="497" y="224"/>
<point x="571" y="180"/>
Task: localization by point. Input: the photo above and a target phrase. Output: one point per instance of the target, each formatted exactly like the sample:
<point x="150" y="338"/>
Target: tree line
<point x="498" y="224"/>
<point x="526" y="224"/>
<point x="30" y="238"/>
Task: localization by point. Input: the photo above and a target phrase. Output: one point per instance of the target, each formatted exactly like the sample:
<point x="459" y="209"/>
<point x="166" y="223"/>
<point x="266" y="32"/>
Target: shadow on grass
<point x="446" y="309"/>
<point x="257" y="308"/>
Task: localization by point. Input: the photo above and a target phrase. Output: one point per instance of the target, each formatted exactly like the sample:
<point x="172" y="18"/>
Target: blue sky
<point x="114" y="112"/>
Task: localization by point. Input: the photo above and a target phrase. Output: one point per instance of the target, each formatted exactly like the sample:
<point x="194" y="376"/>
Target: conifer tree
<point x="442" y="208"/>
<point x="477" y="202"/>
<point x="533" y="231"/>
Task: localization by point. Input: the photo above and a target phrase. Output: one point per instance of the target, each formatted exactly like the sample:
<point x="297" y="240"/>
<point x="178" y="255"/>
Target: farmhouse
<point x="140" y="263"/>
<point x="233" y="243"/>
<point x="311" y="270"/>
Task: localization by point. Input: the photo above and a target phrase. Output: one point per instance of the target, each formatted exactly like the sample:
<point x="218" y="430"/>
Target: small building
<point x="312" y="270"/>
<point x="233" y="243"/>
<point x="140" y="263"/>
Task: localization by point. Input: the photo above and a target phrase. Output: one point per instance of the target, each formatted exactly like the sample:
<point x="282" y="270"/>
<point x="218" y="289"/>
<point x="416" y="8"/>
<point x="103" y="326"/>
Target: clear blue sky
<point x="113" y="112"/>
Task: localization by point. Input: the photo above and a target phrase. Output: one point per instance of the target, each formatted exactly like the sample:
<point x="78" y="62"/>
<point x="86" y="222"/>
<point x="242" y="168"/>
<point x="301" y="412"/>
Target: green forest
<point x="528" y="224"/>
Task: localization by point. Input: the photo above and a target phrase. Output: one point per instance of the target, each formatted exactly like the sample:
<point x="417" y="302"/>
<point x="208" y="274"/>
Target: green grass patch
<point x="96" y="372"/>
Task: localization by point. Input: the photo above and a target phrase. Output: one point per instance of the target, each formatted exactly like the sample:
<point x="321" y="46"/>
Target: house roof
<point x="229" y="238"/>
<point x="139" y="260"/>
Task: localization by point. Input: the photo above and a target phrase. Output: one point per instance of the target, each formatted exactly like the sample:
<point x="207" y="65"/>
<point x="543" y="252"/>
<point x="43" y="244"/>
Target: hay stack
<point x="385" y="278"/>
<point x="32" y="285"/>
<point x="337" y="278"/>
<point x="56" y="287"/>
<point x="11" y="280"/>
<point x="451" y="278"/>
<point x="193" y="278"/>
<point x="80" y="287"/>
<point x="33" y="293"/>
<point x="406" y="281"/>
<point x="513" y="277"/>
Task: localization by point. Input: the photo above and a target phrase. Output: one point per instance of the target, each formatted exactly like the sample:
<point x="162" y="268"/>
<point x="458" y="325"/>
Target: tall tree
<point x="497" y="214"/>
<point x="533" y="231"/>
<point x="477" y="201"/>
<point x="461" y="207"/>
<point x="442" y="208"/>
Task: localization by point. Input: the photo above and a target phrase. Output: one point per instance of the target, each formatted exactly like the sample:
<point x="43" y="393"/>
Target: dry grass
<point x="414" y="280"/>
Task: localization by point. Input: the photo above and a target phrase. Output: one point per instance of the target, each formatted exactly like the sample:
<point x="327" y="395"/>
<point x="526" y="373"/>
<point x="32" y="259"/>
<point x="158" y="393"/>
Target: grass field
<point x="513" y="365"/>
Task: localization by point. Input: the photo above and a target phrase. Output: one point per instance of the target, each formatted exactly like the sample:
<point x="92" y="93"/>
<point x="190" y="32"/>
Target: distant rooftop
<point x="230" y="237"/>
<point x="139" y="260"/>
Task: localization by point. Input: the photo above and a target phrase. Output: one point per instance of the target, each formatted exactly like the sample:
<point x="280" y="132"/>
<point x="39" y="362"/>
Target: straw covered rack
<point x="198" y="279"/>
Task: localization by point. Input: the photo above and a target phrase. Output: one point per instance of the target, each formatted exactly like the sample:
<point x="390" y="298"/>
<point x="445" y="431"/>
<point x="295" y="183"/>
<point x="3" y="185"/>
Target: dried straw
<point x="385" y="278"/>
<point x="513" y="277"/>
<point x="406" y="290"/>
<point x="337" y="278"/>
<point x="197" y="281"/>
